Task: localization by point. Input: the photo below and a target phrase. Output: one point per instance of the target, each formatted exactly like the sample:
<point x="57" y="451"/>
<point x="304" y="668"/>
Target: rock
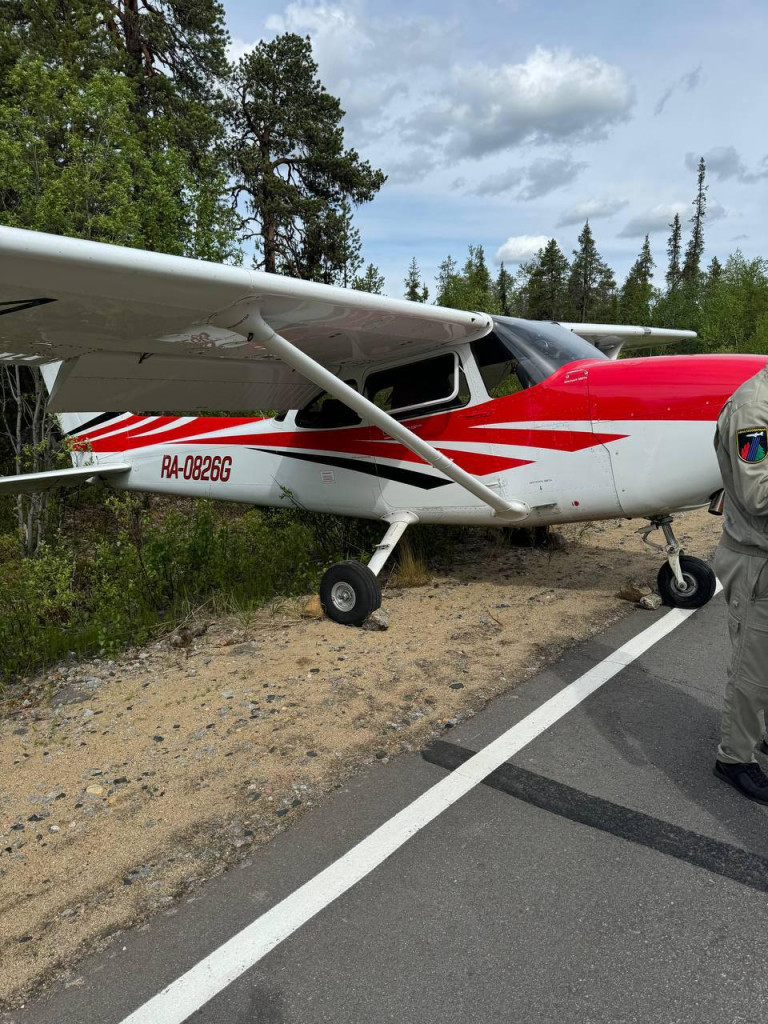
<point x="651" y="602"/>
<point x="182" y="637"/>
<point x="634" y="590"/>
<point x="377" y="621"/>
<point x="88" y="713"/>
<point x="312" y="609"/>
<point x="95" y="790"/>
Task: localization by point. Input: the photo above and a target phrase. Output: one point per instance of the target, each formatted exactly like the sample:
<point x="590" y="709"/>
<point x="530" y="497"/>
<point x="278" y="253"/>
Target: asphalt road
<point x="603" y="875"/>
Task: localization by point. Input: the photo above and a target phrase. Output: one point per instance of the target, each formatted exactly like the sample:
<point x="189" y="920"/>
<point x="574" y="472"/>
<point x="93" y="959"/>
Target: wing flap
<point x="124" y="380"/>
<point x="29" y="483"/>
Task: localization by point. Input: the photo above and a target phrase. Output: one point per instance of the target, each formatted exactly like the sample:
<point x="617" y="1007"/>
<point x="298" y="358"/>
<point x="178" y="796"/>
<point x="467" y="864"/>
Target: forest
<point x="123" y="121"/>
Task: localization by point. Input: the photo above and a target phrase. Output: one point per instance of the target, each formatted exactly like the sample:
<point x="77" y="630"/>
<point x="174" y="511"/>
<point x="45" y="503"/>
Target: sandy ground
<point x="126" y="783"/>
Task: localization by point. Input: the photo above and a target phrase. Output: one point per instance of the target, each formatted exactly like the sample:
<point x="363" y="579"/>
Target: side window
<point x="501" y="373"/>
<point x="429" y="384"/>
<point x="325" y="411"/>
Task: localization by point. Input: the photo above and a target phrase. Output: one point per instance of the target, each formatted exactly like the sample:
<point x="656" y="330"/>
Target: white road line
<point x="207" y="978"/>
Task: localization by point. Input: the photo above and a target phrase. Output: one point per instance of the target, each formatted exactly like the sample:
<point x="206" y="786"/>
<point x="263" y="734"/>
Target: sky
<point x="508" y="122"/>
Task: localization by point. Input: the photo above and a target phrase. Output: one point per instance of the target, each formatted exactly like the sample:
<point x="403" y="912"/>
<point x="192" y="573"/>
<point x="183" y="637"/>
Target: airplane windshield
<point x="540" y="348"/>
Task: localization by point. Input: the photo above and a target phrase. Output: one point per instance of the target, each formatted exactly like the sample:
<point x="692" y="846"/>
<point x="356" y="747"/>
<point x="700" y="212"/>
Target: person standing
<point x="741" y="563"/>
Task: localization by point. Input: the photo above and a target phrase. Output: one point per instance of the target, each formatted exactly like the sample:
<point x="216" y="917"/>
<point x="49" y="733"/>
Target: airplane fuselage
<point x="598" y="439"/>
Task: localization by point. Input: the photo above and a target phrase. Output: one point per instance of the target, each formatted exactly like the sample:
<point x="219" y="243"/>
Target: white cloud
<point x="687" y="83"/>
<point x="724" y="162"/>
<point x="408" y="84"/>
<point x="537" y="179"/>
<point x="591" y="209"/>
<point x="238" y="48"/>
<point x="551" y="96"/>
<point x="520" y="247"/>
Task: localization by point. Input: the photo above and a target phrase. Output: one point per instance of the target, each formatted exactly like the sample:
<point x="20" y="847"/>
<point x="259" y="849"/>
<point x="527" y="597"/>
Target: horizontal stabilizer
<point x="613" y="338"/>
<point x="28" y="483"/>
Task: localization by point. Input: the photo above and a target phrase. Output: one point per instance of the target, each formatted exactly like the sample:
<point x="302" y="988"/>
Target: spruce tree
<point x="547" y="286"/>
<point x="472" y="288"/>
<point x="415" y="289"/>
<point x="448" y="283"/>
<point x="714" y="271"/>
<point x="591" y="285"/>
<point x="287" y="155"/>
<point x="673" y="275"/>
<point x="371" y="281"/>
<point x="478" y="286"/>
<point x="504" y="291"/>
<point x="695" y="248"/>
<point x="637" y="291"/>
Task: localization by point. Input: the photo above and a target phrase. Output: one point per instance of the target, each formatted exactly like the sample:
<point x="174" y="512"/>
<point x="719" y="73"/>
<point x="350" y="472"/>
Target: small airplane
<point x="390" y="410"/>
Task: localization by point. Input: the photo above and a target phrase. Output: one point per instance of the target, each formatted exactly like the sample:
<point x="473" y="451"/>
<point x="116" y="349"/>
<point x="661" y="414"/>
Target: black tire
<point x="699" y="577"/>
<point x="349" y="592"/>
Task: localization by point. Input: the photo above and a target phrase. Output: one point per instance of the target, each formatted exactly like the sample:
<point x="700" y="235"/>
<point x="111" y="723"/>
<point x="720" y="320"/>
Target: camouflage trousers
<point x="745" y="584"/>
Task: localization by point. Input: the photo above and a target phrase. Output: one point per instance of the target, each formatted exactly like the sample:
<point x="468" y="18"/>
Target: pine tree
<point x="287" y="155"/>
<point x="673" y="275"/>
<point x="415" y="289"/>
<point x="637" y="291"/>
<point x="504" y="291"/>
<point x="695" y="248"/>
<point x="371" y="281"/>
<point x="591" y="285"/>
<point x="547" y="285"/>
<point x="331" y="251"/>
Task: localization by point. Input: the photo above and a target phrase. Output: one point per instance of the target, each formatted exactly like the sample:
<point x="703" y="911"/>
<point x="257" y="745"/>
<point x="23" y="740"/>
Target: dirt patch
<point x="127" y="782"/>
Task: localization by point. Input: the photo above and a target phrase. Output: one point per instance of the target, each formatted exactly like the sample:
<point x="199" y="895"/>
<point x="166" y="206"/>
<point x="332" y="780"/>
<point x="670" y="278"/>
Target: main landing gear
<point x="683" y="581"/>
<point x="350" y="591"/>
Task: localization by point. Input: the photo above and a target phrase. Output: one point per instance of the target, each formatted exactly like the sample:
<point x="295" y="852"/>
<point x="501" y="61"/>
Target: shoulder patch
<point x="753" y="444"/>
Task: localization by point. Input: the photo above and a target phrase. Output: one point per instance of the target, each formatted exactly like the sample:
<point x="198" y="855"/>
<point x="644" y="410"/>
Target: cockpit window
<point x="498" y="367"/>
<point x="521" y="353"/>
<point x="326" y="412"/>
<point x="431" y="385"/>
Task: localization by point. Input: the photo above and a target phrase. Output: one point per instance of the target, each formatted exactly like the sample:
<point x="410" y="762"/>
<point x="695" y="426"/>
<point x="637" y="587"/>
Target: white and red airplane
<point x="395" y="410"/>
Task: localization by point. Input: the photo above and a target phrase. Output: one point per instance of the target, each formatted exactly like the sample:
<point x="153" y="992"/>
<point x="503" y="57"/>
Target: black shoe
<point x="749" y="779"/>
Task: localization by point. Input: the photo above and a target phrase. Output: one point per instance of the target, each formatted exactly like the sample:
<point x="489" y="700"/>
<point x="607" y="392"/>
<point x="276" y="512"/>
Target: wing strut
<point x="261" y="334"/>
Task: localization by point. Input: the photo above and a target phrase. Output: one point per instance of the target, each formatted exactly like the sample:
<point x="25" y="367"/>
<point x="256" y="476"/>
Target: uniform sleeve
<point x="748" y="452"/>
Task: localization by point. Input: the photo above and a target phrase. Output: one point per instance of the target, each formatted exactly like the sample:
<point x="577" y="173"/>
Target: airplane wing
<point x="28" y="483"/>
<point x="613" y="338"/>
<point x="147" y="331"/>
<point x="144" y="331"/>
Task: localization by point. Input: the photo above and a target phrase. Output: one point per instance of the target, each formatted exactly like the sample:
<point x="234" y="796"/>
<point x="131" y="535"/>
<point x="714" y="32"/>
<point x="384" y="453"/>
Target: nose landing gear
<point x="683" y="581"/>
